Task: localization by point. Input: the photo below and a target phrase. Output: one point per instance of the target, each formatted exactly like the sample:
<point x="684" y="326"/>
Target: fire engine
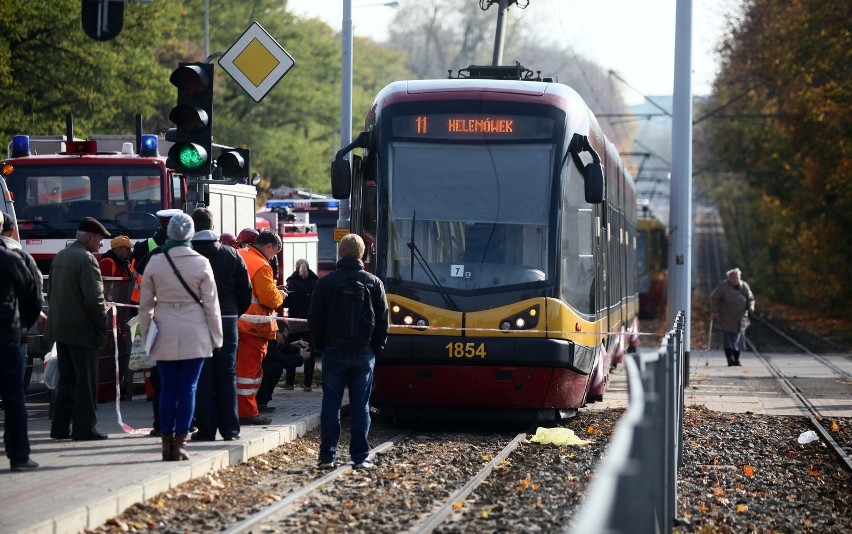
<point x="121" y="181"/>
<point x="321" y="213"/>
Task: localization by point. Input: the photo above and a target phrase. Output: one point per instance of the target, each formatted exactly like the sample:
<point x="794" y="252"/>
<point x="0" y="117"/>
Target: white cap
<point x="165" y="214"/>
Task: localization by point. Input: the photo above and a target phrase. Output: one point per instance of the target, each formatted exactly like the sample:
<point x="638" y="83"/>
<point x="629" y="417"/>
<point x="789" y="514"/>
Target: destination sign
<point x="448" y="125"/>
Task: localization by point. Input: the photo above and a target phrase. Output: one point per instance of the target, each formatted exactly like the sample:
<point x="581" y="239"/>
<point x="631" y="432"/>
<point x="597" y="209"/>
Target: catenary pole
<point x="680" y="214"/>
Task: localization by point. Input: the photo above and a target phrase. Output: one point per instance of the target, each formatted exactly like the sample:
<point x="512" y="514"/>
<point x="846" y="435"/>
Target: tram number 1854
<point x="465" y="350"/>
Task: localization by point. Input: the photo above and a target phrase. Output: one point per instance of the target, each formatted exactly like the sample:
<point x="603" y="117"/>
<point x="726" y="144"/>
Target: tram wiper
<point x="415" y="253"/>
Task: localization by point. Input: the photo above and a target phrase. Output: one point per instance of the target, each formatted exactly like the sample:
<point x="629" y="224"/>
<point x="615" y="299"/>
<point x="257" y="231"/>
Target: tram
<point x="502" y="222"/>
<point x="652" y="264"/>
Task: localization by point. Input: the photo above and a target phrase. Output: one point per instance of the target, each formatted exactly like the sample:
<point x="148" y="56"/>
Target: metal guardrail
<point x="636" y="485"/>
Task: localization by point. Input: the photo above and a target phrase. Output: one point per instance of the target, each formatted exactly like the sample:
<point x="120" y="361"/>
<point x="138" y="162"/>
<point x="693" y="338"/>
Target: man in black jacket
<point x="348" y="352"/>
<point x="216" y="396"/>
<point x="20" y="305"/>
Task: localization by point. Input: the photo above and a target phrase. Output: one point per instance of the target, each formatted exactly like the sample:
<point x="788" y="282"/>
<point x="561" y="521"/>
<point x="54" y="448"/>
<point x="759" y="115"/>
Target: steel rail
<point x="432" y="522"/>
<point x="805" y="406"/>
<point x="246" y="524"/>
<point x="837" y="370"/>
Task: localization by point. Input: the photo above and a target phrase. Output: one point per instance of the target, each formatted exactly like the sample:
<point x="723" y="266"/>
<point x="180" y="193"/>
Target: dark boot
<point x="737" y="358"/>
<point x="729" y="354"/>
<point x="168" y="444"/>
<point x="179" y="448"/>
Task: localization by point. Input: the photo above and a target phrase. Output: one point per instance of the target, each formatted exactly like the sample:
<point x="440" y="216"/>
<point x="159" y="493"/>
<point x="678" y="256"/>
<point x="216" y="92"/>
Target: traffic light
<point x="191" y="154"/>
<point x="234" y="163"/>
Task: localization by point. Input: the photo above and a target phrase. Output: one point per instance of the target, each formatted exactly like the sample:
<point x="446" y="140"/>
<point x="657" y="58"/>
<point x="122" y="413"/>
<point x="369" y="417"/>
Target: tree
<point x="785" y="86"/>
<point x="49" y="68"/>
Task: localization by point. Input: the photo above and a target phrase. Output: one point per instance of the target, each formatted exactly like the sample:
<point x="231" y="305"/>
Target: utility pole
<point x="680" y="215"/>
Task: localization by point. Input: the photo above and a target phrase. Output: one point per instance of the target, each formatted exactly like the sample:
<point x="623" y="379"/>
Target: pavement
<point x="83" y="484"/>
<point x="751" y="388"/>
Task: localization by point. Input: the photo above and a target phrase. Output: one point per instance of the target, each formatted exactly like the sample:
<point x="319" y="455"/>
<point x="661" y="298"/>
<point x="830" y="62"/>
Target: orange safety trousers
<point x="250" y="353"/>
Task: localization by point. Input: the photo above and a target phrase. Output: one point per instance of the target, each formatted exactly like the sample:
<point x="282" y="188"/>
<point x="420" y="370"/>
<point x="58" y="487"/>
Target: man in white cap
<point x="142" y="252"/>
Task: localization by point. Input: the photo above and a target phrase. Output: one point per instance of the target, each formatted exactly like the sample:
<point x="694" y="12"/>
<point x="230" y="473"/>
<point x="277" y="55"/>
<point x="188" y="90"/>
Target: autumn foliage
<point x="779" y="130"/>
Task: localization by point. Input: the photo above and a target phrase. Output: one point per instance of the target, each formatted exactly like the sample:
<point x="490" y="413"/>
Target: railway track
<point x="424" y="482"/>
<point x="798" y="388"/>
<point x="426" y="479"/>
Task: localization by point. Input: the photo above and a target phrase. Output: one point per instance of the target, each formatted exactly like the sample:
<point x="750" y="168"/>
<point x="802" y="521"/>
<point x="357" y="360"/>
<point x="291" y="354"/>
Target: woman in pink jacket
<point x="179" y="296"/>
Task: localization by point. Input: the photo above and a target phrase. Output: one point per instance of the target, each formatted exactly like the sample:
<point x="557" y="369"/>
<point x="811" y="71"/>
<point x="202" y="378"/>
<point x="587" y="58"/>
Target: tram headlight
<point x="401" y="316"/>
<point x="525" y="320"/>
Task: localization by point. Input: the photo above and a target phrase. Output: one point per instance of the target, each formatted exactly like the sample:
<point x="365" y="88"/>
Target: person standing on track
<point x="20" y="305"/>
<point x="348" y="318"/>
<point x="258" y="325"/>
<point x="77" y="322"/>
<point x="731" y="303"/>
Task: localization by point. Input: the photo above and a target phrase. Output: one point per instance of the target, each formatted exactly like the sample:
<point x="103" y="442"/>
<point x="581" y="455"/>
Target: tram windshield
<point x="478" y="214"/>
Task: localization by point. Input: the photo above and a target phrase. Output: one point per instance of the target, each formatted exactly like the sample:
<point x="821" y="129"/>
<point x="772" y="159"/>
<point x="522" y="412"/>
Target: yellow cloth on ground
<point x="557" y="436"/>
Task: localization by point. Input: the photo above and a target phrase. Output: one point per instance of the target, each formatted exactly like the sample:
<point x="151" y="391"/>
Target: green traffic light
<point x="192" y="156"/>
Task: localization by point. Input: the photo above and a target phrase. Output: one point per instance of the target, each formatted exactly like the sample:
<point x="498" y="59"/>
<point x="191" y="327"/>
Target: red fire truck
<point x="119" y="180"/>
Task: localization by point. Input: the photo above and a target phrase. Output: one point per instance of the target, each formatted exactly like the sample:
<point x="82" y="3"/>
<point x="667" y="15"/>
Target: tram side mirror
<point x="341" y="172"/>
<point x="593" y="177"/>
<point x="594" y="182"/>
<point x="341" y="178"/>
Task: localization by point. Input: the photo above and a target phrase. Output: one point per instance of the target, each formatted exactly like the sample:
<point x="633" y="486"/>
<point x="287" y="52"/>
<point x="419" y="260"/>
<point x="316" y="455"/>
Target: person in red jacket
<point x="116" y="261"/>
<point x="257" y="325"/>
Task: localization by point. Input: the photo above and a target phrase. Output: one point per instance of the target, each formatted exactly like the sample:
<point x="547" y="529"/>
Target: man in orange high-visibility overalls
<point x="257" y="326"/>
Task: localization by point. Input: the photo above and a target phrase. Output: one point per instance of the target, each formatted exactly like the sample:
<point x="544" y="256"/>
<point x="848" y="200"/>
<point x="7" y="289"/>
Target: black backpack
<point x="351" y="318"/>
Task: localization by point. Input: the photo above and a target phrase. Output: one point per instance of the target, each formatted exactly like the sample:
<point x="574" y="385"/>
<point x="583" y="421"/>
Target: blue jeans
<point x="346" y="369"/>
<point x="178" y="381"/>
<point x="216" y="398"/>
<point x="12" y="359"/>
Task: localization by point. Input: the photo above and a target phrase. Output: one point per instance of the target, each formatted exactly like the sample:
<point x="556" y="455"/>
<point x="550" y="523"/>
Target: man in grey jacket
<point x="77" y="322"/>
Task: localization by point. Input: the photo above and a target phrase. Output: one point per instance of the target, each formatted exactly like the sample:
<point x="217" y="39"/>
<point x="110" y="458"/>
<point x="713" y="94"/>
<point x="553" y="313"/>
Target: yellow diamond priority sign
<point x="256" y="62"/>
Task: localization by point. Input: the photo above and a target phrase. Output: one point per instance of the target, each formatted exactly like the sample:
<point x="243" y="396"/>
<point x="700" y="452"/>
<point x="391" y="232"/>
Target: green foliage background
<point x="781" y="149"/>
<point x="49" y="67"/>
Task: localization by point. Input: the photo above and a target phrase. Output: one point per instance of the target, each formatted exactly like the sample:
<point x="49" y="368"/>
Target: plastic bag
<point x="807" y="437"/>
<point x="139" y="358"/>
<point x="557" y="436"/>
<point x="51" y="368"/>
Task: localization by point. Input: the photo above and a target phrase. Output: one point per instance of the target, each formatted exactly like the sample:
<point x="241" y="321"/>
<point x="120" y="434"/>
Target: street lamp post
<point x="346" y="91"/>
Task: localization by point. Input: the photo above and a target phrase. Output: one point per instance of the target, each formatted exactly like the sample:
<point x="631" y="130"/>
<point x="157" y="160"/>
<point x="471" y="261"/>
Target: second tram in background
<point x="652" y="249"/>
<point x="502" y="223"/>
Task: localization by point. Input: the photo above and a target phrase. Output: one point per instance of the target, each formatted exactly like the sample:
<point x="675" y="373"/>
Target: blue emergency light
<point x="149" y="146"/>
<point x="21" y="146"/>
